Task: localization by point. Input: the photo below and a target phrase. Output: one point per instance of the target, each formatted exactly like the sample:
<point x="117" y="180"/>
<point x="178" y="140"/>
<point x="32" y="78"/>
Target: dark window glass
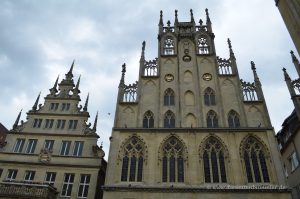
<point x="248" y="167"/>
<point x="172" y="169"/>
<point x="132" y="168"/>
<point x="255" y="166"/>
<point x="214" y="165"/>
<point x="212" y="120"/>
<point x="233" y="120"/>
<point x="264" y="168"/>
<point x="169" y="97"/>
<point x="140" y="169"/>
<point x="209" y="97"/>
<point x="148" y="121"/>
<point x="180" y="163"/>
<point x="222" y="167"/>
<point x="206" y="167"/>
<point x="169" y="120"/>
<point x="124" y="169"/>
<point x="165" y="169"/>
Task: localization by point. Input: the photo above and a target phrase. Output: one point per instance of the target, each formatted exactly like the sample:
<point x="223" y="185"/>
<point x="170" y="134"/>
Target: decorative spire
<point x="169" y="24"/>
<point x="69" y="75"/>
<point x="161" y="23"/>
<point x="201" y="22"/>
<point x="286" y="75"/>
<point x="176" y="16"/>
<point x="256" y="79"/>
<point x="192" y="16"/>
<point x="122" y="81"/>
<point x="207" y="17"/>
<point x="78" y="82"/>
<point x="296" y="62"/>
<point x="86" y="103"/>
<point x="143" y="50"/>
<point x="17" y="120"/>
<point x="230" y="49"/>
<point x="34" y="108"/>
<point x="53" y="90"/>
<point x="95" y="123"/>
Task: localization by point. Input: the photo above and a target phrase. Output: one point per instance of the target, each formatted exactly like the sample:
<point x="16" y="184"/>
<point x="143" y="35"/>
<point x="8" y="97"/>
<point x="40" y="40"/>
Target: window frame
<point x="65" y="148"/>
<point x="83" y="185"/>
<point x="51" y="179"/>
<point x="31" y="146"/>
<point x="29" y="175"/>
<point x="18" y="147"/>
<point x="49" y="144"/>
<point x="68" y="183"/>
<point x="78" y="148"/>
<point x="294" y="161"/>
<point x="11" y="174"/>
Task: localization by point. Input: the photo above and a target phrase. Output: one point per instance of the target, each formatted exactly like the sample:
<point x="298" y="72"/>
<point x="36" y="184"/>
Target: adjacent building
<point x="290" y="12"/>
<point x="289" y="136"/>
<point x="54" y="153"/>
<point x="190" y="127"/>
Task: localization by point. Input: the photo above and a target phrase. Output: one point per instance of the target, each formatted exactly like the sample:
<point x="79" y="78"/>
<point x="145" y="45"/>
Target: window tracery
<point x="169" y="97"/>
<point x="151" y="68"/>
<point x="209" y="97"/>
<point x="249" y="91"/>
<point x="233" y="119"/>
<point x="130" y="92"/>
<point x="133" y="160"/>
<point x="148" y="121"/>
<point x="169" y="46"/>
<point x="203" y="47"/>
<point x="225" y="67"/>
<point x="212" y="119"/>
<point x="173" y="160"/>
<point x="169" y="120"/>
<point x="255" y="161"/>
<point x="214" y="161"/>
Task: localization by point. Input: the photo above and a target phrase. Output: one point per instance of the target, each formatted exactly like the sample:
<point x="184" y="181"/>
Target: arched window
<point x="203" y="47"/>
<point x="169" y="97"/>
<point x="255" y="161"/>
<point x="212" y="119"/>
<point x="169" y="46"/>
<point x="133" y="160"/>
<point x="169" y="120"/>
<point x="233" y="119"/>
<point x="214" y="161"/>
<point x="173" y="160"/>
<point x="209" y="97"/>
<point x="148" y="121"/>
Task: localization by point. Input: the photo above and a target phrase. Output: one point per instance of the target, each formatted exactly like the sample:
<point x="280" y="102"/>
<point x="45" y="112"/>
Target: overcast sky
<point x="40" y="39"/>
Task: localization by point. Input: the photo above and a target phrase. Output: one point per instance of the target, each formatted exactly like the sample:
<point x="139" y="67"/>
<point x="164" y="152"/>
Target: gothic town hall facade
<point x="189" y="127"/>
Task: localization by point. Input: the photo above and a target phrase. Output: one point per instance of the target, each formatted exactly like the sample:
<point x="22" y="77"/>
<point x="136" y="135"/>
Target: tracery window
<point x="233" y="119"/>
<point x="255" y="161"/>
<point x="169" y="120"/>
<point x="133" y="160"/>
<point x="203" y="47"/>
<point x="173" y="160"/>
<point x="148" y="121"/>
<point x="214" y="161"/>
<point x="209" y="97"/>
<point x="169" y="97"/>
<point x="169" y="47"/>
<point x="212" y="119"/>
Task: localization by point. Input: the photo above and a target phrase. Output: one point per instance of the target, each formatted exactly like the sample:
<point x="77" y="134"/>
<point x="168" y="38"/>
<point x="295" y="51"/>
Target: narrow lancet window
<point x="169" y="120"/>
<point x="169" y="97"/>
<point x="169" y="48"/>
<point x="233" y="119"/>
<point x="209" y="97"/>
<point x="212" y="119"/>
<point x="148" y="121"/>
<point x="203" y="47"/>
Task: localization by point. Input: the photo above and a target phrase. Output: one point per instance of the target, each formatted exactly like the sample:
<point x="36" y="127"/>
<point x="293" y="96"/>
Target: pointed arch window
<point x="169" y="97"/>
<point x="233" y="119"/>
<point x="212" y="119"/>
<point x="209" y="97"/>
<point x="214" y="161"/>
<point x="169" y="120"/>
<point x="255" y="161"/>
<point x="169" y="47"/>
<point x="172" y="160"/>
<point x="203" y="47"/>
<point x="133" y="160"/>
<point x="148" y="121"/>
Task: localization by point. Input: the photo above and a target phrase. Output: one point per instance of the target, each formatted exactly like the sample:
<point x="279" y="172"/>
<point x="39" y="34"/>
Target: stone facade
<point x="56" y="145"/>
<point x="290" y="12"/>
<point x="190" y="128"/>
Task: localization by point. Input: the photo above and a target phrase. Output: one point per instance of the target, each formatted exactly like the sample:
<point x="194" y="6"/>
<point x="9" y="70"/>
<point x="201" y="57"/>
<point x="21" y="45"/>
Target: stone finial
<point x="286" y="75"/>
<point x="169" y="23"/>
<point x="69" y="75"/>
<point x="230" y="49"/>
<point x="201" y="22"/>
<point x="143" y="50"/>
<point x="95" y="123"/>
<point x="256" y="79"/>
<point x="86" y="103"/>
<point x="122" y="81"/>
<point x="53" y="90"/>
<point x="176" y="16"/>
<point x="34" y="107"/>
<point x="192" y="16"/>
<point x="17" y="120"/>
<point x="207" y="17"/>
<point x="78" y="82"/>
<point x="161" y="23"/>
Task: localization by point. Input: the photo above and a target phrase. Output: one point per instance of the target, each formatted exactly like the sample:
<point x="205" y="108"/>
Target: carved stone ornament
<point x="169" y="77"/>
<point x="207" y="76"/>
<point x="45" y="155"/>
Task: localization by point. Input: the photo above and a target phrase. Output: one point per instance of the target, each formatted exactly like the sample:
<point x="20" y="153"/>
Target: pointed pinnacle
<point x="176" y="16"/>
<point x="294" y="58"/>
<point x="72" y="66"/>
<point x="56" y="82"/>
<point x="286" y="75"/>
<point x="253" y="65"/>
<point x="95" y="123"/>
<point x="169" y="23"/>
<point x="200" y="22"/>
<point x="207" y="16"/>
<point x="36" y="102"/>
<point x="161" y="18"/>
<point x="86" y="103"/>
<point x="192" y="16"/>
<point x="78" y="82"/>
<point x="230" y="48"/>
<point x="123" y="74"/>
<point x="143" y="50"/>
<point x="17" y="120"/>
